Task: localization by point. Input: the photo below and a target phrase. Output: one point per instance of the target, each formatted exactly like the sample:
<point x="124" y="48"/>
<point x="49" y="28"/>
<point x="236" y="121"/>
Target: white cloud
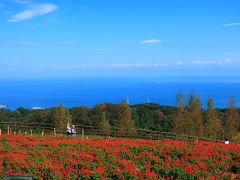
<point x="220" y="62"/>
<point x="147" y="65"/>
<point x="33" y="11"/>
<point x="134" y="65"/>
<point x="232" y="24"/>
<point x="151" y="41"/>
<point x="124" y="66"/>
<point x="201" y="62"/>
<point x="179" y="63"/>
<point x="226" y="61"/>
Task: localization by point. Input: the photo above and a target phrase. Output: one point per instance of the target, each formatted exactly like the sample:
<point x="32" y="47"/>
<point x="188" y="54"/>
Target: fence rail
<point x="48" y="128"/>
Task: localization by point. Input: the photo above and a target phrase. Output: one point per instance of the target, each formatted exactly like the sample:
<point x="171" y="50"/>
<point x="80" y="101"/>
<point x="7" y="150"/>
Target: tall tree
<point x="61" y="117"/>
<point x="190" y="115"/>
<point x="194" y="116"/>
<point x="213" y="124"/>
<point x="94" y="115"/>
<point x="179" y="125"/>
<point x="197" y="117"/>
<point x="104" y="124"/>
<point x="231" y="122"/>
<point x="125" y="122"/>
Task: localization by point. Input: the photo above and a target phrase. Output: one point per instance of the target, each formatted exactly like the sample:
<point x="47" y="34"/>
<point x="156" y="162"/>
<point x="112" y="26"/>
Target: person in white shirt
<point x="227" y="141"/>
<point x="68" y="129"/>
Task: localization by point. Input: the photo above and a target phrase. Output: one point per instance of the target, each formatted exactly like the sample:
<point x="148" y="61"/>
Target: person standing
<point x="68" y="129"/>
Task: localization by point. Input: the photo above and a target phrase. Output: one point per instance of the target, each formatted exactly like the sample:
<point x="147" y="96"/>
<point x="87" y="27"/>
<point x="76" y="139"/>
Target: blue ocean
<point x="89" y="92"/>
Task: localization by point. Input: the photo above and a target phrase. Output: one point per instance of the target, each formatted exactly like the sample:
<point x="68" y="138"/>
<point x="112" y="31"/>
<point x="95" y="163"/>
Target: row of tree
<point x="212" y="123"/>
<point x="187" y="117"/>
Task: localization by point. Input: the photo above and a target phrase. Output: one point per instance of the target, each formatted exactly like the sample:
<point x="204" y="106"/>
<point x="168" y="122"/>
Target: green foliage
<point x="235" y="169"/>
<point x="232" y="120"/>
<point x="180" y="120"/>
<point x="104" y="124"/>
<point x="188" y="119"/>
<point x="212" y="122"/>
<point x="80" y="115"/>
<point x="60" y="117"/>
<point x="125" y="122"/>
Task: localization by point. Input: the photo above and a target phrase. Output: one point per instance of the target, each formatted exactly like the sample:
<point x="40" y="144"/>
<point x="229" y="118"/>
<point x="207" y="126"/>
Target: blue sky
<point x="119" y="38"/>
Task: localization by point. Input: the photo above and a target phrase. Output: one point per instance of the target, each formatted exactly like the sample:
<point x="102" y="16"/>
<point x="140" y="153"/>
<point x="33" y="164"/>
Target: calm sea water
<point x="89" y="92"/>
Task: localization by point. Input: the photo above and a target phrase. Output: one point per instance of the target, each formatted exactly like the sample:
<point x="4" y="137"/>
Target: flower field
<point x="73" y="158"/>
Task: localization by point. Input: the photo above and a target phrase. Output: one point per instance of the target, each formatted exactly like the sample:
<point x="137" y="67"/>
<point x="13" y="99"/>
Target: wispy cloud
<point x="220" y="62"/>
<point x="135" y="65"/>
<point x="179" y="63"/>
<point x="112" y="66"/>
<point x="232" y="24"/>
<point x="151" y="41"/>
<point x="146" y="65"/>
<point x="159" y="65"/>
<point x="103" y="49"/>
<point x="34" y="11"/>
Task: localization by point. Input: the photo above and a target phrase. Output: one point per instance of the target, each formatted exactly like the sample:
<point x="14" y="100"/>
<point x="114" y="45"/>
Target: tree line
<point x="188" y="117"/>
<point x="213" y="123"/>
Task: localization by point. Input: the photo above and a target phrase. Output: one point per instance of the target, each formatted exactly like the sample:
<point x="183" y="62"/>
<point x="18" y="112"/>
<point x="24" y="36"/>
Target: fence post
<point x="31" y="132"/>
<point x="42" y="133"/>
<point x="82" y="133"/>
<point x="0" y="132"/>
<point x="8" y="129"/>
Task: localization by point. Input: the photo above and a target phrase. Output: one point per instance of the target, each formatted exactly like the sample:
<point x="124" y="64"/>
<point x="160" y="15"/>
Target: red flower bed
<point x="67" y="157"/>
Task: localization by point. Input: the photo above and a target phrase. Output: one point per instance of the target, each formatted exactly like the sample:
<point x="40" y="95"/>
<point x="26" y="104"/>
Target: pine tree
<point x="232" y="118"/>
<point x="104" y="124"/>
<point x="213" y="124"/>
<point x="194" y="117"/>
<point x="180" y="120"/>
<point x="189" y="122"/>
<point x="198" y="117"/>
